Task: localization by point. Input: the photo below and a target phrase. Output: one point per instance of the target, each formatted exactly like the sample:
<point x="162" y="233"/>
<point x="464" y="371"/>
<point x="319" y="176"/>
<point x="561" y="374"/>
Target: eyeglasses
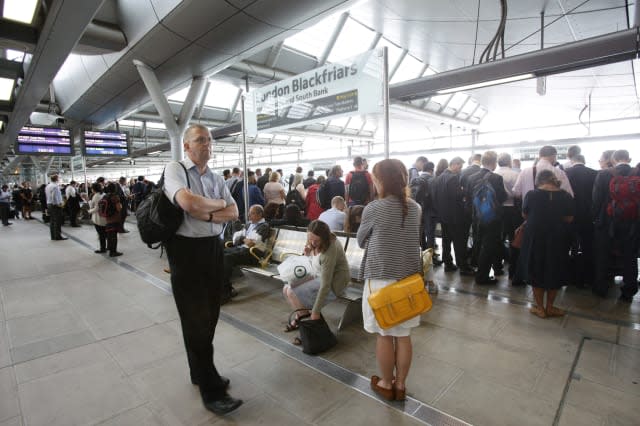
<point x="202" y="140"/>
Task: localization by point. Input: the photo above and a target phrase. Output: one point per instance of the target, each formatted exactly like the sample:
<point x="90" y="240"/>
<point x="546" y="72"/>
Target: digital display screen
<point x="105" y="143"/>
<point x="35" y="140"/>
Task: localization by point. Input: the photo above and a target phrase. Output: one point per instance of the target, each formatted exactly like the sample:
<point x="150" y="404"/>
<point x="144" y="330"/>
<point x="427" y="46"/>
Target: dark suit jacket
<point x="582" y="179"/>
<point x="495" y="180"/>
<point x="600" y="195"/>
<point x="448" y="198"/>
<point x="465" y="175"/>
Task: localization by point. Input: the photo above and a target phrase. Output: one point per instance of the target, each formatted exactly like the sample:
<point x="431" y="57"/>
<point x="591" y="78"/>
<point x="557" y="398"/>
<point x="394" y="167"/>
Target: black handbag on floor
<point x="316" y="336"/>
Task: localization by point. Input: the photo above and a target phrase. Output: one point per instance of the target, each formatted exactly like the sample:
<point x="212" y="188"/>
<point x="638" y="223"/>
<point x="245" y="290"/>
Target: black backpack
<point x="106" y="206"/>
<point x="323" y="196"/>
<point x="235" y="190"/>
<point x="294" y="197"/>
<point x="158" y="218"/>
<point x="359" y="188"/>
<point x="420" y="191"/>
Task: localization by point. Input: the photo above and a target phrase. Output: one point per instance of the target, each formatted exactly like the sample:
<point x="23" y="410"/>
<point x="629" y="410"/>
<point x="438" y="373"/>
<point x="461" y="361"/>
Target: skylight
<point x="180" y="95"/>
<point x="409" y="69"/>
<point x="394" y="51"/>
<point x="221" y="95"/>
<point x="6" y="88"/>
<point x="313" y="40"/>
<point x="354" y="38"/>
<point x="20" y="10"/>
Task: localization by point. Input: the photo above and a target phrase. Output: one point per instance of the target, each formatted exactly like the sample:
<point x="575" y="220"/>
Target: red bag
<point x="518" y="236"/>
<point x="624" y="198"/>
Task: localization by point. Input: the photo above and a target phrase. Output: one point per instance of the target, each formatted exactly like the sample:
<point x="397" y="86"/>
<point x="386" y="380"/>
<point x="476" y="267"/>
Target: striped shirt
<point x="392" y="251"/>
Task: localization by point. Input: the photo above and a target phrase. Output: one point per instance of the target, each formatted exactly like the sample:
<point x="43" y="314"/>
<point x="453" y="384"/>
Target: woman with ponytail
<point x="390" y="233"/>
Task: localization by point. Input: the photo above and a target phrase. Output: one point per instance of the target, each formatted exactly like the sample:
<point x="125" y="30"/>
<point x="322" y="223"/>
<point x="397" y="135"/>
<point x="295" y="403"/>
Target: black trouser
<point x="196" y="281"/>
<point x="102" y="236"/>
<point x="111" y="230"/>
<point x="123" y="216"/>
<point x="489" y="248"/>
<point x="234" y="256"/>
<point x="621" y="239"/>
<point x="55" y="222"/>
<point x="583" y="272"/>
<point x="455" y="233"/>
<point x="73" y="214"/>
<point x="429" y="224"/>
<point x="511" y="219"/>
<point x="4" y="213"/>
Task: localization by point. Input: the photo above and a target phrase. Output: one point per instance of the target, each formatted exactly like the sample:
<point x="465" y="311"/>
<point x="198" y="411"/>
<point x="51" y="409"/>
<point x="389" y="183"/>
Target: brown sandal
<point x="387" y="394"/>
<point x="538" y="311"/>
<point x="555" y="312"/>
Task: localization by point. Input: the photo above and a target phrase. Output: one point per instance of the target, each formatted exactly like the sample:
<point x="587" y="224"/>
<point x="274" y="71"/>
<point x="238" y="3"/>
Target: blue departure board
<point x="36" y="140"/>
<point x="105" y="143"/>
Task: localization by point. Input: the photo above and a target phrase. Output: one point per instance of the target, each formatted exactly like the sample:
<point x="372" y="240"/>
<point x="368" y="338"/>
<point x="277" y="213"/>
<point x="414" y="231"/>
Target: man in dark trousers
<point x="582" y="179"/>
<point x="448" y="201"/>
<point x="255" y="235"/>
<point x="122" y="190"/>
<point x="487" y="241"/>
<point x="195" y="256"/>
<point x="616" y="226"/>
<point x="470" y="170"/>
<point x="54" y="208"/>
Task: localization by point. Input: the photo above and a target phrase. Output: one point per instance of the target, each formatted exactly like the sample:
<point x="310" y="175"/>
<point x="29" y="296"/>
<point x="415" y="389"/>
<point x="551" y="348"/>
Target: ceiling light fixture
<point x="6" y="88"/>
<point x="486" y="83"/>
<point x="20" y="10"/>
<point x="153" y="152"/>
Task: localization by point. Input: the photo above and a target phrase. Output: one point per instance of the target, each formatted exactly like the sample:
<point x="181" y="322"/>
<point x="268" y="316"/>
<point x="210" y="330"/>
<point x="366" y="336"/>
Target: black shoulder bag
<point x="158" y="218"/>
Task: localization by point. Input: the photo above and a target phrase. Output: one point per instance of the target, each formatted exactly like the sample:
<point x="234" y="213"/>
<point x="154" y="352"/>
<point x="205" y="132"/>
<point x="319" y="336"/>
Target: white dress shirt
<point x="334" y="218"/>
<point x="509" y="177"/>
<point x="526" y="183"/>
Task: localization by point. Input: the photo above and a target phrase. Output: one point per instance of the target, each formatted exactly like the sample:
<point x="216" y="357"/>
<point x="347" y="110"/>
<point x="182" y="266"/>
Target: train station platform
<point x="86" y="339"/>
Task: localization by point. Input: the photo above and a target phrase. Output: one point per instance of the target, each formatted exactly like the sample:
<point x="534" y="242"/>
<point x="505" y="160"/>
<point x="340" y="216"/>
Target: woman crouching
<point x="331" y="272"/>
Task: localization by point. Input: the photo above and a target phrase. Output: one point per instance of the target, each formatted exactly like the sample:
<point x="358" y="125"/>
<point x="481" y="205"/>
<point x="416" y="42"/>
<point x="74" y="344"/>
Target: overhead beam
<point x="601" y="50"/>
<point x="332" y="40"/>
<point x="64" y="25"/>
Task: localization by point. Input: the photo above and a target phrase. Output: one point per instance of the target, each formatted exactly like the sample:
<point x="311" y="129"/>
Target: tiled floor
<point x="85" y="340"/>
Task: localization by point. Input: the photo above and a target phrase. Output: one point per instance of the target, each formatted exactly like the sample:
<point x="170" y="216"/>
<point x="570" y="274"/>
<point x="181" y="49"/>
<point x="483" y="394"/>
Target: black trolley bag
<point x="158" y="218"/>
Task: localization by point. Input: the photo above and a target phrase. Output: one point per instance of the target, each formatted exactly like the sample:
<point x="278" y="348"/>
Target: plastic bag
<point x="295" y="270"/>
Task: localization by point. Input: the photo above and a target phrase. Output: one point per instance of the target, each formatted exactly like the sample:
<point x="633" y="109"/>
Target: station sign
<point x="347" y="87"/>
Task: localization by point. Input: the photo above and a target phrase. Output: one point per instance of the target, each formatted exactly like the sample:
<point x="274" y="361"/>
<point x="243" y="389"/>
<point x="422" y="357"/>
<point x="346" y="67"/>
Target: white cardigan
<point x="93" y="209"/>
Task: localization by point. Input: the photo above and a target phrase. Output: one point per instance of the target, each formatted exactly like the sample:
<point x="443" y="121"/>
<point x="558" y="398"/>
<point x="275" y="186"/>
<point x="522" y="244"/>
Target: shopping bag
<point x="296" y="270"/>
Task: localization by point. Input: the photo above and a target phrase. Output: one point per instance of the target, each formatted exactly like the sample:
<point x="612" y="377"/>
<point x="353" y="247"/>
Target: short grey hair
<point x="504" y="160"/>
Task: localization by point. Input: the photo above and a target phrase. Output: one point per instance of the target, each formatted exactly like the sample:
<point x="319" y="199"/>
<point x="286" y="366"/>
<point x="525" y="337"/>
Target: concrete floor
<point x="86" y="340"/>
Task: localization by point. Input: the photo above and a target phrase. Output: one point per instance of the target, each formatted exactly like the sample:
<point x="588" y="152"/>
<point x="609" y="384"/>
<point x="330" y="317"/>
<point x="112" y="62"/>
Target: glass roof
<point x="409" y="69"/>
<point x="313" y="40"/>
<point x="354" y="38"/>
<point x="221" y="95"/>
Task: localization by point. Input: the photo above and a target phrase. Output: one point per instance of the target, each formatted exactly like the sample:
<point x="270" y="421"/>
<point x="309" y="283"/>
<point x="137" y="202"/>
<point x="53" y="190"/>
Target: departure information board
<point x="34" y="140"/>
<point x="105" y="143"/>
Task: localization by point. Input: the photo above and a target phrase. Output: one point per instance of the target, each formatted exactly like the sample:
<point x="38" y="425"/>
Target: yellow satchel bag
<point x="399" y="301"/>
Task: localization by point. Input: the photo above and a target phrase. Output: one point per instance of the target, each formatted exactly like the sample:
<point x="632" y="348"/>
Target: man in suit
<point x="465" y="175"/>
<point x="448" y="201"/>
<point x="255" y="235"/>
<point x="488" y="240"/>
<point x="613" y="233"/>
<point x="582" y="179"/>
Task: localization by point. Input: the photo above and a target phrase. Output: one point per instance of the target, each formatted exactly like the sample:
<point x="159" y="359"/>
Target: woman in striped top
<point x="390" y="231"/>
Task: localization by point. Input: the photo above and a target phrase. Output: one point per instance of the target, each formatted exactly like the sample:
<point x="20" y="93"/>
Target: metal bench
<point x="291" y="240"/>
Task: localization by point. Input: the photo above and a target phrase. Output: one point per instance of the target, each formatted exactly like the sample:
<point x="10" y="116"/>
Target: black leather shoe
<point x="62" y="239"/>
<point x="450" y="268"/>
<point x="115" y="254"/>
<point x="486" y="281"/>
<point x="100" y="251"/>
<point x="498" y="272"/>
<point x="626" y="299"/>
<point x="225" y="380"/>
<point x="233" y="292"/>
<point x="223" y="406"/>
<point x="468" y="272"/>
